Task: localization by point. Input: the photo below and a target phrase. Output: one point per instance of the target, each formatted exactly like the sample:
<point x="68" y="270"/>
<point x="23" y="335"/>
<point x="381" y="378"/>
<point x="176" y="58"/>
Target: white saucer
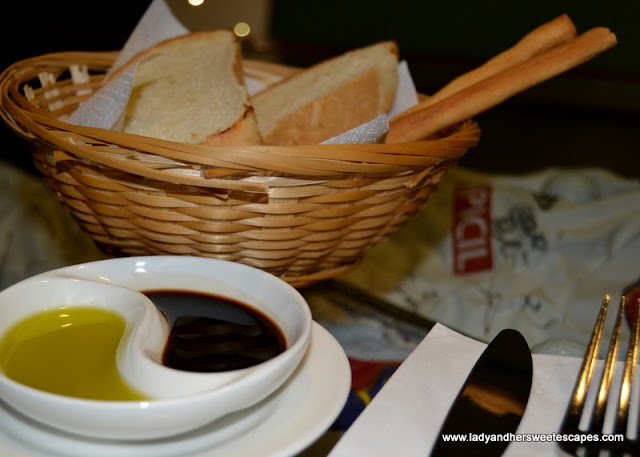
<point x="281" y="426"/>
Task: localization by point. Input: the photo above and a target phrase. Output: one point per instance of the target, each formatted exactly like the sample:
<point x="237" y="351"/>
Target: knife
<point x="492" y="400"/>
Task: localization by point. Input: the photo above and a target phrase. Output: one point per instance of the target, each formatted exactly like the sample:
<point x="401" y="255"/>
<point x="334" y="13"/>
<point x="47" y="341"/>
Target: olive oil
<point x="69" y="351"/>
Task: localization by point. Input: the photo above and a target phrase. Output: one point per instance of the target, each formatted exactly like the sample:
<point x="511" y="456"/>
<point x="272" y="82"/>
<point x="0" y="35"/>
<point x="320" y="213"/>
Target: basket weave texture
<point x="302" y="213"/>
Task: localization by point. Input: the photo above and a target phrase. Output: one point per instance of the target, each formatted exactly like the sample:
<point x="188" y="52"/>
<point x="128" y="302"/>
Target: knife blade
<point x="492" y="400"/>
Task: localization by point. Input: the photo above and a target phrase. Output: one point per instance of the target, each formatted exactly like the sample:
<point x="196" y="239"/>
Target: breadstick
<point x="495" y="89"/>
<point x="544" y="37"/>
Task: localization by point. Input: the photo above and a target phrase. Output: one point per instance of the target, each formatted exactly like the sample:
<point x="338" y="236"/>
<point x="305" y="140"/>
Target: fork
<point x="591" y="439"/>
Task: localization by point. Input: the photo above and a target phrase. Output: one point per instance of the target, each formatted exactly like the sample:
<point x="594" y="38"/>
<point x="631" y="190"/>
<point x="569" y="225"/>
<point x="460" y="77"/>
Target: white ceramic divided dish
<point x="183" y="401"/>
<point x="282" y="425"/>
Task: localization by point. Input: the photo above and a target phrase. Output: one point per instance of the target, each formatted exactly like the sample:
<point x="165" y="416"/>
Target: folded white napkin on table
<point x="405" y="417"/>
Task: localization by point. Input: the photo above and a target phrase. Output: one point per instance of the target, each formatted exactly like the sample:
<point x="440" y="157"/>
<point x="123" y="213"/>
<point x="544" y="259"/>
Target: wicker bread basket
<point x="303" y="213"/>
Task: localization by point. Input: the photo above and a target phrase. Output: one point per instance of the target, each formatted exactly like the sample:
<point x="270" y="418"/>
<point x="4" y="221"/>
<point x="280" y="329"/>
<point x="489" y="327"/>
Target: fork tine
<point x="607" y="373"/>
<point x="614" y="447"/>
<point x="627" y="378"/>
<point x="576" y="405"/>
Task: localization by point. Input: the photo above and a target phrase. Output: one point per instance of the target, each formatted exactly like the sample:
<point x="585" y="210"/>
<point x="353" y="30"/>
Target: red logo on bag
<point x="472" y="249"/>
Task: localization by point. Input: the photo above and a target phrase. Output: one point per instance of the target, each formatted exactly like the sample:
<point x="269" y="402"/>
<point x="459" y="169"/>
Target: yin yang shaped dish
<point x="176" y="401"/>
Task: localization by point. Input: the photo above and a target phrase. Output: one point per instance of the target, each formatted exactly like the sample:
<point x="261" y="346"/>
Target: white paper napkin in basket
<point x="104" y="109"/>
<point x="405" y="417"/>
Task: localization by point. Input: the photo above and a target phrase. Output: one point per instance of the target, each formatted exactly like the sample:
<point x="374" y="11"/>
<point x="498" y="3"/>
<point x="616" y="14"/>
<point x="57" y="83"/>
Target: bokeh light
<point x="242" y="29"/>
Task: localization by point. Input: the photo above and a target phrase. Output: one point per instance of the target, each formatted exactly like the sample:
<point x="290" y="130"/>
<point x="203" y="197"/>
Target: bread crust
<point x="243" y="132"/>
<point x="343" y="109"/>
<point x="327" y="109"/>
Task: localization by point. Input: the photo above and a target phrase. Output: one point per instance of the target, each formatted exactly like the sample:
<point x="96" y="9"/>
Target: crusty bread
<point x="189" y="89"/>
<point x="330" y="97"/>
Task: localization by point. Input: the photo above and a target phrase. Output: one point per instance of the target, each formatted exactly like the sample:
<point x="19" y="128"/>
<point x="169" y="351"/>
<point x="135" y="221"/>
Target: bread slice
<point x="330" y="97"/>
<point x="190" y="89"/>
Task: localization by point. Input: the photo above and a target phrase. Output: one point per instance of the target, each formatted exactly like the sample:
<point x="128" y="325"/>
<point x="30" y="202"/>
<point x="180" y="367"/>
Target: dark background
<point x="589" y="116"/>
